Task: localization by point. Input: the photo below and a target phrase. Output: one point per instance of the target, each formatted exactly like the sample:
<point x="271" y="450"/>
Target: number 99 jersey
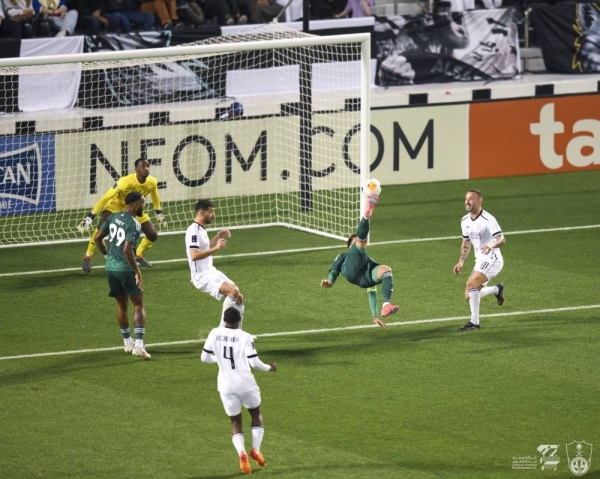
<point x="121" y="228"/>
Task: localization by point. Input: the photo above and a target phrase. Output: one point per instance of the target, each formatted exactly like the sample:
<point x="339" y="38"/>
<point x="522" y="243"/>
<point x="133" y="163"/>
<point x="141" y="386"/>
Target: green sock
<point x="387" y="286"/>
<point x="363" y="229"/>
<point x="373" y="302"/>
<point x="125" y="333"/>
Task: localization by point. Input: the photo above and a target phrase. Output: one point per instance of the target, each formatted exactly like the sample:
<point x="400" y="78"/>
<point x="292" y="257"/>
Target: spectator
<point x="358" y="8"/>
<point x="261" y="11"/>
<point x="227" y="12"/>
<point x="127" y="12"/>
<point x="93" y="18"/>
<point x="190" y="12"/>
<point x="165" y="10"/>
<point x="21" y="12"/>
<point x="8" y="27"/>
<point x="60" y="19"/>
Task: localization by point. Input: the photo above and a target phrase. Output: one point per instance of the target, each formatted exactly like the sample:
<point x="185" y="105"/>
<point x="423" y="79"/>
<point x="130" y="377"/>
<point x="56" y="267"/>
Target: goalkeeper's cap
<point x="236" y="108"/>
<point x="133" y="197"/>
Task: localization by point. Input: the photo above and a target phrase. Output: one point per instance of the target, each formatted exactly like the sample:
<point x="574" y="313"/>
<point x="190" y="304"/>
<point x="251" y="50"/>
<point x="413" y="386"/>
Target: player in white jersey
<point x="233" y="350"/>
<point x="483" y="231"/>
<point x="200" y="250"/>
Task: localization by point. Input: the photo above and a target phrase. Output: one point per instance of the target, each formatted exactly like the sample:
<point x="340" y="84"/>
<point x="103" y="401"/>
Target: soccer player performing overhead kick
<point x="359" y="269"/>
<point x="113" y="201"/>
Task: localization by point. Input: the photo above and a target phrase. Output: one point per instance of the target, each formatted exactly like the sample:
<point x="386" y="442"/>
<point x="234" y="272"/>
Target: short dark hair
<point x="476" y="191"/>
<point x="204" y="205"/>
<point x="135" y="165"/>
<point x="352" y="236"/>
<point x="232" y="315"/>
<point x="133" y="197"/>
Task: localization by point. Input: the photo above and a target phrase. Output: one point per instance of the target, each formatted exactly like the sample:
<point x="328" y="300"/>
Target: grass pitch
<point x="420" y="400"/>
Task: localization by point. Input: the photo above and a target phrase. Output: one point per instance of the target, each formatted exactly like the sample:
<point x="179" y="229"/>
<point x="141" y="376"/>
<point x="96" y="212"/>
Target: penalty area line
<point x="313" y="331"/>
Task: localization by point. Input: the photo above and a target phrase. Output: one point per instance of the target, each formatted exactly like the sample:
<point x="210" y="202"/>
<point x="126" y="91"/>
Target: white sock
<point x="228" y="302"/>
<point x="257" y="436"/>
<point x="139" y="344"/>
<point x="128" y="341"/>
<point x="488" y="290"/>
<point x="238" y="442"/>
<point x="241" y="309"/>
<point x="474" y="297"/>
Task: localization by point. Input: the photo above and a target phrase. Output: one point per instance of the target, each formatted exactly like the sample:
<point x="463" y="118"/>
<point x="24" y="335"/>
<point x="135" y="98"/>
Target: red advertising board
<point x="525" y="137"/>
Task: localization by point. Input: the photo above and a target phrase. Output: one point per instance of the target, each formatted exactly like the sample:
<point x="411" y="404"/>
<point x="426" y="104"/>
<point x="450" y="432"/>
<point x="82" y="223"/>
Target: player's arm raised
<point x="197" y="254"/>
<point x="465" y="249"/>
<point x="98" y="207"/>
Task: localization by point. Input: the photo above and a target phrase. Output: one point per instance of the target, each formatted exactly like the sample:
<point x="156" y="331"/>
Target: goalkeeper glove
<point x="160" y="218"/>
<point x="86" y="223"/>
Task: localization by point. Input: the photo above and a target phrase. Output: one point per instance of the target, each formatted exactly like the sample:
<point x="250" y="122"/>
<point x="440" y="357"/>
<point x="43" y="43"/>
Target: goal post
<point x="271" y="124"/>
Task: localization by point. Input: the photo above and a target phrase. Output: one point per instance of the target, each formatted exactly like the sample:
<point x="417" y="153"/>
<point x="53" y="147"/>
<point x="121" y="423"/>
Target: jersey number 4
<point x="230" y="357"/>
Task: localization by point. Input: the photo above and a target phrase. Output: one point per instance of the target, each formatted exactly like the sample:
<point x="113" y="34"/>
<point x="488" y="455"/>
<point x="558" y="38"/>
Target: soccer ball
<point x="371" y="187"/>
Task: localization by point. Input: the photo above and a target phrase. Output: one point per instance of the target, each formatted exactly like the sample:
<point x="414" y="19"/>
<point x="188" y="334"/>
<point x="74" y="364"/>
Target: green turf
<point x="419" y="400"/>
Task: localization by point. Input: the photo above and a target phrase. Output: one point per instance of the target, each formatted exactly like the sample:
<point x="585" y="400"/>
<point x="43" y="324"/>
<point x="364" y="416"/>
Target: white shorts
<point x="489" y="265"/>
<point x="233" y="402"/>
<point x="211" y="282"/>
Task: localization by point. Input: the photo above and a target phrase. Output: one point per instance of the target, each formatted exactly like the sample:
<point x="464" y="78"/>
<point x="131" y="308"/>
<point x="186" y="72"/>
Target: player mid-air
<point x="359" y="269"/>
<point x="113" y="201"/>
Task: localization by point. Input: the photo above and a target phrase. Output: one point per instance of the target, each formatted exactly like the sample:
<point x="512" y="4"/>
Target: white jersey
<point x="196" y="238"/>
<point x="232" y="349"/>
<point x="480" y="231"/>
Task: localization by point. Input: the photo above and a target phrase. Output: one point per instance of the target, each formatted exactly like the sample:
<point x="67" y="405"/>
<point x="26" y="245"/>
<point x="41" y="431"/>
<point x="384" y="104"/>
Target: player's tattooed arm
<point x="465" y="248"/>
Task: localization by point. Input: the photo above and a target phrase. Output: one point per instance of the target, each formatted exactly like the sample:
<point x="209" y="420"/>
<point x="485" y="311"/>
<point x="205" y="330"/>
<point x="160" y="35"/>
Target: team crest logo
<point x="579" y="457"/>
<point x="550" y="458"/>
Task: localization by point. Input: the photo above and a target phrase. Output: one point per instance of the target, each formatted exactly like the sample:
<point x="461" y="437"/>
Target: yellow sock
<point x="92" y="244"/>
<point x="144" y="246"/>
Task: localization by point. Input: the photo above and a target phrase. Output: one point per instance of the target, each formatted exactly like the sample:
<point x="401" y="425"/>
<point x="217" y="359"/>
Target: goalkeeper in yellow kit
<point x="113" y="201"/>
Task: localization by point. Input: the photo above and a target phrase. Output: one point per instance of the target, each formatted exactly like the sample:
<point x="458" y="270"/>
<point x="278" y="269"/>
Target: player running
<point x="359" y="269"/>
<point x="122" y="272"/>
<point x="480" y="228"/>
<point x="233" y="350"/>
<point x="114" y="201"/>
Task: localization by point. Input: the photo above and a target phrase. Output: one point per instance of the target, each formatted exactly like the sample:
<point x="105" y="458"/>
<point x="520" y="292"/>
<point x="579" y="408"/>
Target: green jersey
<point x="121" y="227"/>
<point x="356" y="267"/>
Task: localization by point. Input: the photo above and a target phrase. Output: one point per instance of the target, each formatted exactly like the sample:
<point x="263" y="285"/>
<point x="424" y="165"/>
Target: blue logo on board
<point x="21" y="174"/>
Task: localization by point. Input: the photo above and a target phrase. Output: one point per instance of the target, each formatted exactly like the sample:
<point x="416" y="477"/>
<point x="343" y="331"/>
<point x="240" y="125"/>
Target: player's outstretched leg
<point x="500" y="295"/>
<point x="371" y="202"/>
<point x="387" y="288"/>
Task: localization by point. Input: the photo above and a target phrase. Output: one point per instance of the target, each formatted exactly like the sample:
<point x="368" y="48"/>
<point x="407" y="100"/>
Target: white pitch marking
<point x="314" y="331"/>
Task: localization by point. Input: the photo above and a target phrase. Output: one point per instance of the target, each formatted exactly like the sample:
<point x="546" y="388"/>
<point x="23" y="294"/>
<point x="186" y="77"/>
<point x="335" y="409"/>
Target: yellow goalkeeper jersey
<point x="114" y="199"/>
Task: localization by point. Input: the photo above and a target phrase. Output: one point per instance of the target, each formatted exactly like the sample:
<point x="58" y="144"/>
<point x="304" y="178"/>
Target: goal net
<point x="266" y="123"/>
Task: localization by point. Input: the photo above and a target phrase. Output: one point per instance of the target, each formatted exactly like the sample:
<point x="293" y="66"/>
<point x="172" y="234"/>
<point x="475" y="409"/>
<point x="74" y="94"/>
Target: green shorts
<point x="122" y="283"/>
<point x="359" y="268"/>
